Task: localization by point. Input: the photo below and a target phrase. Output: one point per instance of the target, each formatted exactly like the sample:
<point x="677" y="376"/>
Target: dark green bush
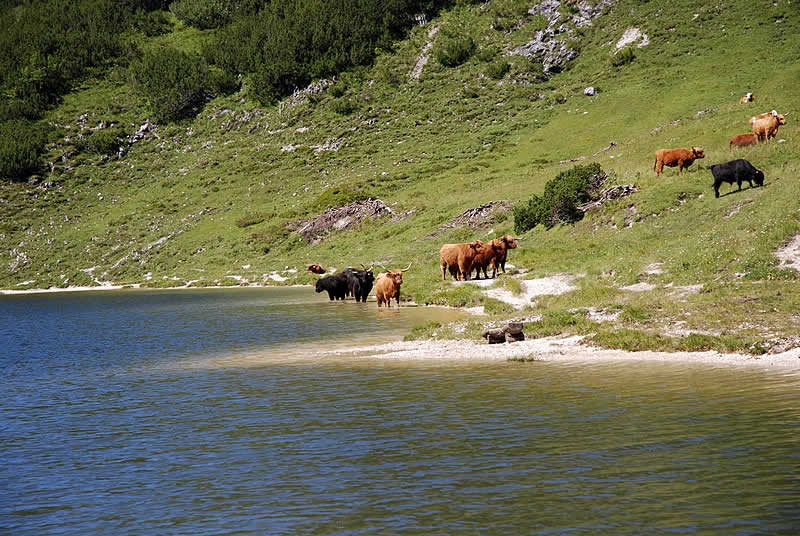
<point x="151" y="23"/>
<point x="288" y="44"/>
<point x="508" y="13"/>
<point x="204" y="14"/>
<point x="45" y="46"/>
<point x="452" y="51"/>
<point x="560" y="200"/>
<point x="171" y="81"/>
<point x="344" y="106"/>
<point x="498" y="69"/>
<point x="625" y="56"/>
<point x="21" y="144"/>
<point x="105" y="141"/>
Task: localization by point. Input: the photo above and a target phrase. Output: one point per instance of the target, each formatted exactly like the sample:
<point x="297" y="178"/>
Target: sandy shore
<point x="557" y="349"/>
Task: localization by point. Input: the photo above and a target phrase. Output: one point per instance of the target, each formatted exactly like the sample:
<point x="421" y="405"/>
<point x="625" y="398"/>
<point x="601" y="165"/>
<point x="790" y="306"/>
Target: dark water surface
<point x="205" y="412"/>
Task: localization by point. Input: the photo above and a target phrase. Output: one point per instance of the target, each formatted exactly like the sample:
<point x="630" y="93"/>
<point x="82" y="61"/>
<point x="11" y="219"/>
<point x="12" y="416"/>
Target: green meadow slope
<point x="208" y="200"/>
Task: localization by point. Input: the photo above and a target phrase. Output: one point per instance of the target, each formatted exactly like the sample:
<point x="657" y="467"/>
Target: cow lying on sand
<point x="736" y="171"/>
<point x="683" y="158"/>
<point x="458" y="259"/>
<point x="388" y="285"/>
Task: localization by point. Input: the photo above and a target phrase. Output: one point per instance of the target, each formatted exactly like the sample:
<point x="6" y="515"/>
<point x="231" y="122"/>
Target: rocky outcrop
<point x="550" y="45"/>
<point x="510" y="333"/>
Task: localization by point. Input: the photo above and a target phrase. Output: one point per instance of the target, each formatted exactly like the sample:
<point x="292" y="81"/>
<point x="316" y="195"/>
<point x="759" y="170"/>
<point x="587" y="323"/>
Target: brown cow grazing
<point x="742" y="140"/>
<point x="387" y="286"/>
<point x="458" y="258"/>
<point x="746" y="98"/>
<point x="493" y="253"/>
<point x="765" y="126"/>
<point x="315" y="269"/>
<point x="683" y="158"/>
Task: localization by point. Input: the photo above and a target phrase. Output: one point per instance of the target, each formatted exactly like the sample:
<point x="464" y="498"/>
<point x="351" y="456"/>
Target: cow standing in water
<point x="388" y="285"/>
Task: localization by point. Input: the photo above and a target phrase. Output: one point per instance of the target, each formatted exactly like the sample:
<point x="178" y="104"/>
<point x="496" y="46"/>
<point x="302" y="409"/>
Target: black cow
<point x="736" y="171"/>
<point x="359" y="282"/>
<point x="335" y="285"/>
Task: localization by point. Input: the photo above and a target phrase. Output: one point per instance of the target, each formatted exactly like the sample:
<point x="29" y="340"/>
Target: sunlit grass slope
<point x="207" y="199"/>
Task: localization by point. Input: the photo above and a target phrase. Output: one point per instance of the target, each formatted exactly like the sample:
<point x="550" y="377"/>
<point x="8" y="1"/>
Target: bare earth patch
<point x="789" y="254"/>
<point x="531" y="288"/>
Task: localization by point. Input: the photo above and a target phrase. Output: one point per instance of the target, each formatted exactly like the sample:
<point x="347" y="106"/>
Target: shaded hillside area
<point x="449" y="109"/>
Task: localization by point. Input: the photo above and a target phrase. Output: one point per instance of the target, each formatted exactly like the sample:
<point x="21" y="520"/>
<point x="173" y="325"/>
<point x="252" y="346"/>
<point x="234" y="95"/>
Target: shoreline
<point x="564" y="349"/>
<point x="133" y="286"/>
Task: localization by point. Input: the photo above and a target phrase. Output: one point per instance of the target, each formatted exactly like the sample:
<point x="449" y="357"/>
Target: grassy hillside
<point x="207" y="200"/>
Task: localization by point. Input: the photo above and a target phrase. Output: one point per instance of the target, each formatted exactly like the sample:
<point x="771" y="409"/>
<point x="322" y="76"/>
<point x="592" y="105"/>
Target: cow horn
<point x="407" y="267"/>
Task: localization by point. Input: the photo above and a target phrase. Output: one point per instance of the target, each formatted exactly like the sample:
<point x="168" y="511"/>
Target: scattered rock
<point x="589" y="91"/>
<point x="613" y="192"/>
<point x="631" y="36"/>
<point x="424" y="55"/>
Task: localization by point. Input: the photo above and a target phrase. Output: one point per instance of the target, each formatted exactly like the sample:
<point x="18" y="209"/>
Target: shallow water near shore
<point x="214" y="412"/>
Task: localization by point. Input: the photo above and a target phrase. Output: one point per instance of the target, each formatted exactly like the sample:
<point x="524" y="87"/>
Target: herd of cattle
<point x="460" y="260"/>
<point x="358" y="283"/>
<point x="764" y="126"/>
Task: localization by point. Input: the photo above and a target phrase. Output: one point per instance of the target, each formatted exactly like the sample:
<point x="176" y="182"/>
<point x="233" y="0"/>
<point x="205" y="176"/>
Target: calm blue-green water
<point x="206" y="412"/>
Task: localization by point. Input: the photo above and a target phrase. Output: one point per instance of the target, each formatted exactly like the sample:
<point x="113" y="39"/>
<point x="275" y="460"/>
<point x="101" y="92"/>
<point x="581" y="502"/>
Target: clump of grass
<point x="633" y="314"/>
<point x="624" y="57"/>
<point x="250" y="219"/>
<point x="423" y="331"/>
<point x="461" y="296"/>
<point x="635" y="340"/>
<point x="495" y="306"/>
<point x="497" y="69"/>
<point x="511" y="284"/>
<point x="557" y="322"/>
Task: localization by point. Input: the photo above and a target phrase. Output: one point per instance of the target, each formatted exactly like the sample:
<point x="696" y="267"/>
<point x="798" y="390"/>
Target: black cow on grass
<point x="335" y="285"/>
<point x="736" y="171"/>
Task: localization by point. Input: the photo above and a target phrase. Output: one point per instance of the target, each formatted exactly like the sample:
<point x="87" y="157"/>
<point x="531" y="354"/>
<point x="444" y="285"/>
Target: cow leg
<point x="444" y="270"/>
<point x="716" y="190"/>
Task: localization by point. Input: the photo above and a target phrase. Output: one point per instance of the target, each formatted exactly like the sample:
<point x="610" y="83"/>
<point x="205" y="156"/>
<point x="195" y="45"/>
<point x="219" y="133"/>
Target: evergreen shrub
<point x="171" y="81"/>
<point x="561" y="198"/>
<point x="21" y="144"/>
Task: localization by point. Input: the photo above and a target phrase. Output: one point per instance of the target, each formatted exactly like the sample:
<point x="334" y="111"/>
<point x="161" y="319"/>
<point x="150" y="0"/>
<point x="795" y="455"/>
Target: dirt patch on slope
<point x="342" y="218"/>
<point x="789" y="254"/>
<point x="480" y="217"/>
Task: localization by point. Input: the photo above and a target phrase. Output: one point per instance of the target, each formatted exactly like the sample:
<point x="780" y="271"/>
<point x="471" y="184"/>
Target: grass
<point x="216" y="193"/>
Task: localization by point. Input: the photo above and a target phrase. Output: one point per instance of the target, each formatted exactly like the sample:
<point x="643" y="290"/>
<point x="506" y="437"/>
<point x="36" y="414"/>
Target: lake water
<point x="206" y="413"/>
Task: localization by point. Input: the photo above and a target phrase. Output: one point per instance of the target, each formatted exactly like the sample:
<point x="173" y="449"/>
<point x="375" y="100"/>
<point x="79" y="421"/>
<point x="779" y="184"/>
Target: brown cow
<point x="746" y="98"/>
<point x="742" y="140"/>
<point x="493" y="253"/>
<point x="315" y="269"/>
<point x="683" y="158"/>
<point x="387" y="286"/>
<point x="509" y="243"/>
<point x="765" y="126"/>
<point x="458" y="259"/>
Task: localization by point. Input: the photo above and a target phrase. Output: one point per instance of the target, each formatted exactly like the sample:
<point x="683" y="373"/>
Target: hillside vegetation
<point x="178" y="154"/>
